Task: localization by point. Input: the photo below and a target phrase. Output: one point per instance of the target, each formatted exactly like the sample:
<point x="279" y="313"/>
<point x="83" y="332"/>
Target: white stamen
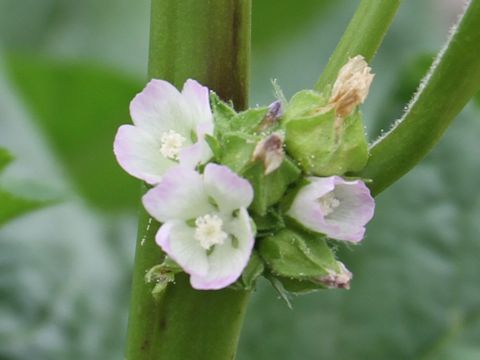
<point x="328" y="203"/>
<point x="172" y="143"/>
<point x="209" y="231"/>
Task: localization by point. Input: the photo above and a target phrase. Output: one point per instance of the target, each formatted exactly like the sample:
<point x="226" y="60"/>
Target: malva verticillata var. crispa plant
<point x="268" y="191"/>
<point x="264" y="191"/>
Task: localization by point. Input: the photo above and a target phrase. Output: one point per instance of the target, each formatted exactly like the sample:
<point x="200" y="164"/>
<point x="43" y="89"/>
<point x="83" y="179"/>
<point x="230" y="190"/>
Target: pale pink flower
<point x="338" y="208"/>
<point x="169" y="128"/>
<point x="206" y="228"/>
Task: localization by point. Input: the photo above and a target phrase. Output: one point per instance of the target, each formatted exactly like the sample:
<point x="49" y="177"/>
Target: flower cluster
<point x="225" y="184"/>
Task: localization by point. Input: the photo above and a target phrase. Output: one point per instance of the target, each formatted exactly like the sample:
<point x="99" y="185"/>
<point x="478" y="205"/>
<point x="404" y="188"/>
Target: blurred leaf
<point x="19" y="197"/>
<point x="14" y="201"/>
<point x="79" y="107"/>
<point x="5" y="158"/>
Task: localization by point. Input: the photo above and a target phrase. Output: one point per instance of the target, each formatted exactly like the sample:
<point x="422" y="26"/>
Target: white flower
<point x="169" y="127"/>
<point x="206" y="228"/>
<point x="335" y="207"/>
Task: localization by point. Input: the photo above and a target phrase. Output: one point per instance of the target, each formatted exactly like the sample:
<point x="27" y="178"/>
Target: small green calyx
<point x="324" y="131"/>
<point x="327" y="145"/>
<point x="301" y="261"/>
<point x="161" y="275"/>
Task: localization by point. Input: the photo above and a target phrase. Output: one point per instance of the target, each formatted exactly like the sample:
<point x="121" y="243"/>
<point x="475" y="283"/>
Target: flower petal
<point x="197" y="96"/>
<point x="137" y="151"/>
<point x="305" y="207"/>
<point x="226" y="262"/>
<point x="177" y="239"/>
<point x="180" y="195"/>
<point x="229" y="190"/>
<point x="345" y="222"/>
<point x="356" y="204"/>
<point x="193" y="155"/>
<point x="160" y="107"/>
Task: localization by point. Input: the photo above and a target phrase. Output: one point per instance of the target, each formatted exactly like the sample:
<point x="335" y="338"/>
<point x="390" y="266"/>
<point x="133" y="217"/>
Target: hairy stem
<point x="363" y="36"/>
<point x="452" y="81"/>
<point x="208" y="40"/>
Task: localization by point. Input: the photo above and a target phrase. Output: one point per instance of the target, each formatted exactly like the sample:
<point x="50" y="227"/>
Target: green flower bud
<point x="326" y="134"/>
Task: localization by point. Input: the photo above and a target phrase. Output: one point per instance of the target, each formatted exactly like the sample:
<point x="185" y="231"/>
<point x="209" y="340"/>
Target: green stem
<point x="452" y="81"/>
<point x="208" y="40"/>
<point x="363" y="36"/>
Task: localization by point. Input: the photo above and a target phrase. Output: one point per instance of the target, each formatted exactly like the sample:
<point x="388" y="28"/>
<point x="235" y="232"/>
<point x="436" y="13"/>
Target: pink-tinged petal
<point x="347" y="220"/>
<point x="139" y="154"/>
<point x="197" y="96"/>
<point x="305" y="207"/>
<point x="179" y="195"/>
<point x="177" y="239"/>
<point x="356" y="204"/>
<point x="204" y="128"/>
<point x="160" y="107"/>
<point x="193" y="155"/>
<point x="229" y="190"/>
<point x="227" y="262"/>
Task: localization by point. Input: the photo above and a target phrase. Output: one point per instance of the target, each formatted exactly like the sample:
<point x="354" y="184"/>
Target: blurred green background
<point x="68" y="70"/>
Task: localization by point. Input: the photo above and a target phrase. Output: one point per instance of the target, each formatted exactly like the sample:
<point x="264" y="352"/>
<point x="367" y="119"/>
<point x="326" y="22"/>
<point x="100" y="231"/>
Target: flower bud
<point x="275" y="111"/>
<point x="270" y="152"/>
<point x="337" y="280"/>
<point x="326" y="135"/>
<point x="351" y="87"/>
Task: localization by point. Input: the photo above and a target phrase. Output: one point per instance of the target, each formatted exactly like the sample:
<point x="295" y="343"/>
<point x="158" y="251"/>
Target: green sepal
<point x="297" y="255"/>
<point x="251" y="273"/>
<point x="248" y="121"/>
<point x="325" y="145"/>
<point x="237" y="150"/>
<point x="268" y="224"/>
<point x="269" y="189"/>
<point x="305" y="103"/>
<point x="300" y="287"/>
<point x="222" y="114"/>
<point x="214" y="146"/>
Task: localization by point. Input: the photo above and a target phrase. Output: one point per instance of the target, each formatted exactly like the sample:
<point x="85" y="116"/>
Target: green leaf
<point x="79" y="108"/>
<point x="269" y="189"/>
<point x="237" y="149"/>
<point x="298" y="255"/>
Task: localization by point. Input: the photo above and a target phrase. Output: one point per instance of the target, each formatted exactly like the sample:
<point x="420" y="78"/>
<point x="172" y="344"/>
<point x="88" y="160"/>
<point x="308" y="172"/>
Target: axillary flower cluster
<point x="259" y="192"/>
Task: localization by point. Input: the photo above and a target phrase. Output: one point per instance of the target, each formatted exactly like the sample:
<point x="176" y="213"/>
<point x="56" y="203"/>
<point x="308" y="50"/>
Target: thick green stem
<point x="208" y="40"/>
<point x="363" y="36"/>
<point x="452" y="81"/>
